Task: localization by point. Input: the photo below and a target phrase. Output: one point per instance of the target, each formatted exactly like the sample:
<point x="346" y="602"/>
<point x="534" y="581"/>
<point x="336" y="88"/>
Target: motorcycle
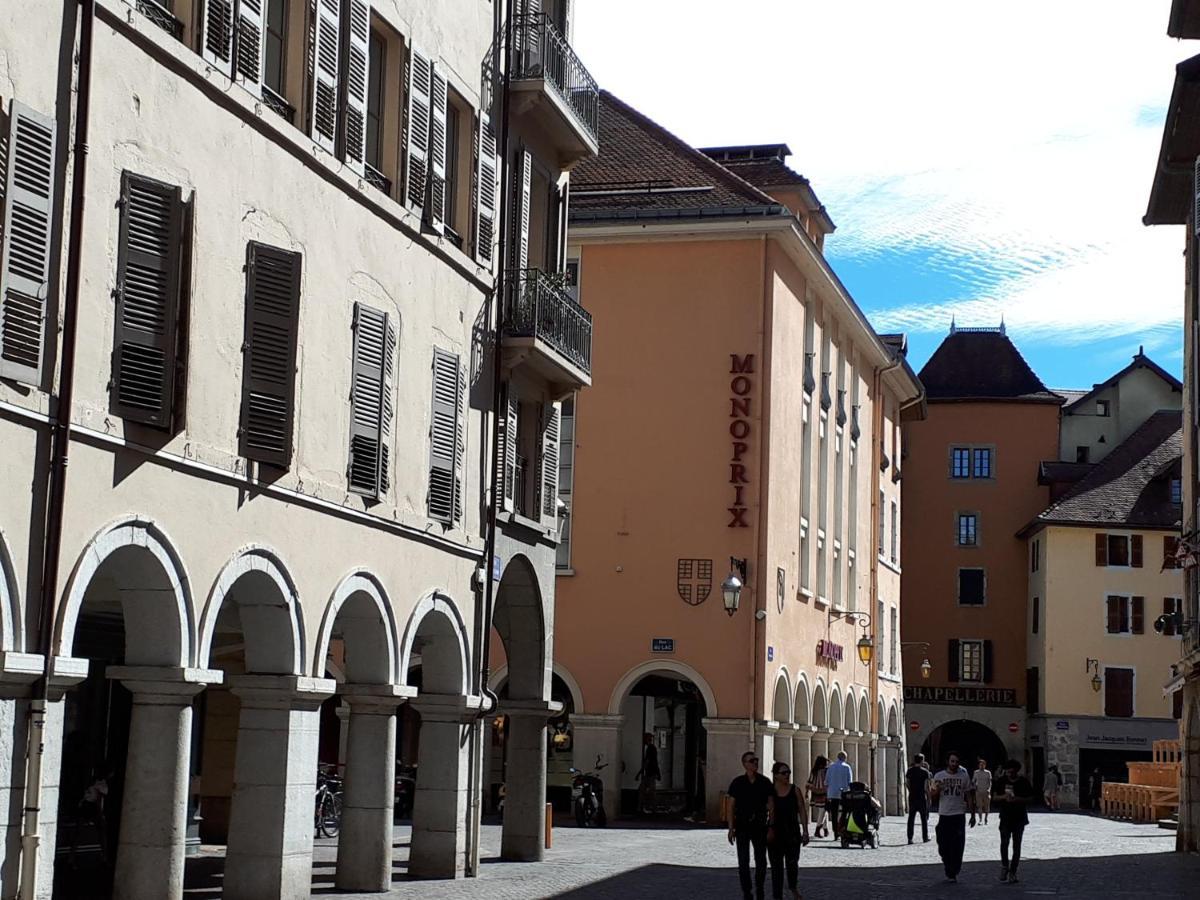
<point x="587" y="796"/>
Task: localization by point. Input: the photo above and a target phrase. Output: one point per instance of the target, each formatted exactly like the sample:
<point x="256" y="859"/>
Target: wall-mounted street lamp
<point x="1093" y="665"/>
<point x="926" y="668"/>
<point x="731" y="588"/>
<point x="866" y="643"/>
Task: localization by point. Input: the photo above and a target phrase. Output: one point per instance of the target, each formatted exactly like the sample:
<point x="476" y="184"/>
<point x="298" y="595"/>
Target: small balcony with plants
<point x="545" y="329"/>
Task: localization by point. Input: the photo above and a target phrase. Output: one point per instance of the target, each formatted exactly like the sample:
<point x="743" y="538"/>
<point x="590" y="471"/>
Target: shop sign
<point x="1129" y="735"/>
<point x="960" y="696"/>
<point x="830" y="651"/>
<point x="662" y="645"/>
<point x="741" y="386"/>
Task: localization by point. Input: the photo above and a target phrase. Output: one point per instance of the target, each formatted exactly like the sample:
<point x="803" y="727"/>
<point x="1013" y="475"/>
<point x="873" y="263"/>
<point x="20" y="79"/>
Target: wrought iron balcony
<point x="543" y="327"/>
<point x="160" y="14"/>
<point x="551" y="82"/>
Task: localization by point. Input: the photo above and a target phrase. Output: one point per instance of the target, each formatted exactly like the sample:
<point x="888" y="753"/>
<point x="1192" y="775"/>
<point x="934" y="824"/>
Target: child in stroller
<point x="859" y="816"/>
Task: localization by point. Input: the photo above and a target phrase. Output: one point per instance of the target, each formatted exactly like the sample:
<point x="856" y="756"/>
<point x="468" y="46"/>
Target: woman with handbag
<point x="787" y="830"/>
<point x="816" y="793"/>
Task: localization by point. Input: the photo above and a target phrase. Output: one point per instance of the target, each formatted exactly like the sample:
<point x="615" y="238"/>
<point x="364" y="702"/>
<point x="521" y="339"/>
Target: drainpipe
<point x="60" y="434"/>
<point x="757" y="655"/>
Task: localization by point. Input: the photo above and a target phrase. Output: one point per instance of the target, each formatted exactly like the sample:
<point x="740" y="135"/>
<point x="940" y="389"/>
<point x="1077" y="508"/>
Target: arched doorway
<point x="820" y="720"/>
<point x="971" y="740"/>
<point x="560" y="745"/>
<point x="781" y="712"/>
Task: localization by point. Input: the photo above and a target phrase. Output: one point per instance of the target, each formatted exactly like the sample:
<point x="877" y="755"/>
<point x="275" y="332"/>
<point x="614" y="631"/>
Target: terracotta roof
<point x="1140" y="361"/>
<point x="982" y="364"/>
<point x="1131" y="486"/>
<point x="643" y="167"/>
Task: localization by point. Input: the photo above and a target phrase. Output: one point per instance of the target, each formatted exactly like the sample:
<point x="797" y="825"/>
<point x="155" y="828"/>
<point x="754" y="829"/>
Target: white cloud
<point x="1017" y="142"/>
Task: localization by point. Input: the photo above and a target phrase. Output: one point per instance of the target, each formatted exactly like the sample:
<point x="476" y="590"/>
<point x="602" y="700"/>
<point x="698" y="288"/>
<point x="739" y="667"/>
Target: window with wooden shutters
<point x="988" y="662"/>
<point x="145" y="337"/>
<point x="371" y="400"/>
<point x="1117" y="615"/>
<point x="249" y="38"/>
<point x="326" y="44"/>
<point x="28" y="234"/>
<point x="1170" y="552"/>
<point x="1135" y="551"/>
<point x="269" y="354"/>
<point x="522" y="182"/>
<point x="1118" y="692"/>
<point x="435" y="210"/>
<point x="1137" y="615"/>
<point x="549" y="462"/>
<point x="506" y="458"/>
<point x="416" y="171"/>
<point x="356" y="58"/>
<point x="486" y="193"/>
<point x="1102" y="550"/>
<point x="216" y="39"/>
<point x="1172" y="606"/>
<point x="444" y="438"/>
<point x="952" y="660"/>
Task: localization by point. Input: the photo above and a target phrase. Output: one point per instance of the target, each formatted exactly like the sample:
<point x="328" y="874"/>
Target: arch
<point x="782" y="709"/>
<point x="864" y="713"/>
<point x="893" y="721"/>
<point x="437" y="622"/>
<point x="500" y="675"/>
<point x="267" y="604"/>
<point x="836" y="722"/>
<point x="802" y="714"/>
<point x="649" y="667"/>
<point x="820" y="706"/>
<point x="12" y="623"/>
<point x="970" y="739"/>
<point x="142" y="553"/>
<point x="519" y="619"/>
<point x="368" y="626"/>
<point x="882" y="717"/>
<point x="850" y="712"/>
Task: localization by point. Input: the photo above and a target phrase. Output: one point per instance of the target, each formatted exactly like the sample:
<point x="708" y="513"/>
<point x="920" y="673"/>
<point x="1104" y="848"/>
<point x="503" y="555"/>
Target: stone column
<point x="364" y="855"/>
<point x="275" y="776"/>
<point x="524" y="835"/>
<point x="598" y="739"/>
<point x="785" y="747"/>
<point x="802" y="753"/>
<point x="820" y="743"/>
<point x="439" y="808"/>
<point x="764" y="744"/>
<point x="150" y="848"/>
<point x="17" y="672"/>
<point x="727" y="740"/>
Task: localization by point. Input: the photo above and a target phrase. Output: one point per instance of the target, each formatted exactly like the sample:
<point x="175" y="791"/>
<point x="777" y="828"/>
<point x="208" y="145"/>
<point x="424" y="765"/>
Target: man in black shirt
<point x="1011" y="793"/>
<point x="749" y="795"/>
<point x="917" y="780"/>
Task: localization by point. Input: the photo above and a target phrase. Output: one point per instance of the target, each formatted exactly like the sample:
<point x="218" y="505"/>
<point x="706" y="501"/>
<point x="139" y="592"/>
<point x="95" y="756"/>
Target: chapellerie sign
<point x="963" y="696"/>
<point x="741" y="385"/>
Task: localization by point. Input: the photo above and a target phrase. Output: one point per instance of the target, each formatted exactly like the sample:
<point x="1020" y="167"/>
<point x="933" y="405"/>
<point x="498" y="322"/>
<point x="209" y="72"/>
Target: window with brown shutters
<point x="1170" y="551"/>
<point x="548" y="462"/>
<point x="1137" y="615"/>
<point x="28" y="235"/>
<point x="354" y="79"/>
<point x="326" y="45"/>
<point x="1117" y="615"/>
<point x="417" y="125"/>
<point x="371" y="404"/>
<point x="447" y="439"/>
<point x="486" y="191"/>
<point x="1102" y="549"/>
<point x="269" y="354"/>
<point x="1135" y="551"/>
<point x="1119" y="550"/>
<point x="952" y="660"/>
<point x="150" y="245"/>
<point x="988" y="662"/>
<point x="1118" y="692"/>
<point x="1172" y="606"/>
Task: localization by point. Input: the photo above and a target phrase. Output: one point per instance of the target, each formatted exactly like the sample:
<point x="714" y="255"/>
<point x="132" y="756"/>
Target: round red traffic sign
<point x="914" y="725"/>
<point x="1013" y="727"/>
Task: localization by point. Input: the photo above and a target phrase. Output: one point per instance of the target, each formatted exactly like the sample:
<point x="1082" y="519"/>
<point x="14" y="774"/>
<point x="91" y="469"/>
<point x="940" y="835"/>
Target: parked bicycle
<point x="327" y="807"/>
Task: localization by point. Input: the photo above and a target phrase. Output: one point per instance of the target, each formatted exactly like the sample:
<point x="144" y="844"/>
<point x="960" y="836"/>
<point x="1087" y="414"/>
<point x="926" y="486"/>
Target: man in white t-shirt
<point x="981" y="778"/>
<point x="955" y="793"/>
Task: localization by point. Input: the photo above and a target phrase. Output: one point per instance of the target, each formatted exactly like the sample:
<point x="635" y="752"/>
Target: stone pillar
<point x="275" y="776"/>
<point x="17" y="672"/>
<point x="524" y="835"/>
<point x="150" y="849"/>
<point x="728" y="739"/>
<point x="439" y="808"/>
<point x="785" y="747"/>
<point x="802" y="753"/>
<point x="597" y="739"/>
<point x="820" y="743"/>
<point x="764" y="745"/>
<point x="364" y="855"/>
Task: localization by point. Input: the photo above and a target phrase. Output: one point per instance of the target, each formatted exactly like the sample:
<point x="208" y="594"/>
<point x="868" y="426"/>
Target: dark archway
<point x="971" y="740"/>
<point x="672" y="710"/>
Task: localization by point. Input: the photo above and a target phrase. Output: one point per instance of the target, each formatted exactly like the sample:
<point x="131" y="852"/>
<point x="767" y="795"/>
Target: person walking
<point x="1096" y="789"/>
<point x="816" y="793"/>
<point x="648" y="775"/>
<point x="1013" y="793"/>
<point x="749" y="795"/>
<point x="981" y="778"/>
<point x="787" y="830"/>
<point x="955" y="794"/>
<point x="917" y="780"/>
<point x="1050" y="785"/>
<point x="837" y="778"/>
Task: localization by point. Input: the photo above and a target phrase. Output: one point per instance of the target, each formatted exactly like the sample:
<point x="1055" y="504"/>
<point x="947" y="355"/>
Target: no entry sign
<point x="914" y="725"/>
<point x="1013" y="727"/>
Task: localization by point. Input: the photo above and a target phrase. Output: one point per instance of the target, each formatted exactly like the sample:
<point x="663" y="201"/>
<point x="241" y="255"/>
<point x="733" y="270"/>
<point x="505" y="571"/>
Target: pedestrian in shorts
<point x="982" y="779"/>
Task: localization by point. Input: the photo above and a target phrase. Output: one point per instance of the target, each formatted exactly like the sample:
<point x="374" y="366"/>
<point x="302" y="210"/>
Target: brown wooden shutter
<point x="269" y="354"/>
<point x="952" y="667"/>
<point x="549" y="462"/>
<point x="1118" y="692"/>
<point x="145" y="338"/>
<point x="1138" y="615"/>
<point x="1102" y="549"/>
<point x="987" y="662"/>
<point x="28" y="235"/>
<point x="1169" y="624"/>
<point x="370" y="400"/>
<point x="1170" y="548"/>
<point x="1135" y="555"/>
<point x="216" y="40"/>
<point x="356" y="49"/>
<point x="435" y="211"/>
<point x="443" y="436"/>
<point x="485" y="192"/>
<point x="416" y="172"/>
<point x="326" y="44"/>
<point x="250" y="36"/>
<point x="1114" y="615"/>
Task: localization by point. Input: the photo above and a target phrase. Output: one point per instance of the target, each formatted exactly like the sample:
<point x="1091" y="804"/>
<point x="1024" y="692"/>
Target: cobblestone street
<point x="1064" y="856"/>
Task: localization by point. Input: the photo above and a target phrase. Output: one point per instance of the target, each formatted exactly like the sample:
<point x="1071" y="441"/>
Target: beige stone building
<point x="256" y="315"/>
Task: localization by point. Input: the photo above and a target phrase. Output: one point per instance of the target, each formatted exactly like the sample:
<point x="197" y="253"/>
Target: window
<point x="375" y="77"/>
<point x="1125" y="615"/>
<point x="970" y="661"/>
<point x="275" y="46"/>
<point x="1172" y="606"/>
<point x="879" y="660"/>
<point x="1082" y="452"/>
<point x="1035" y="556"/>
<point x="447" y="439"/>
<point x="1176" y="490"/>
<point x="882" y="523"/>
<point x="981" y="462"/>
<point x="967" y="529"/>
<point x="1037" y="613"/>
<point x="894" y="641"/>
<point x="453" y="132"/>
<point x="1119" y="550"/>
<point x="971" y="587"/>
<point x="895" y="554"/>
<point x="146" y="332"/>
<point x="1170" y="552"/>
<point x="1118" y="692"/>
<point x="566" y="480"/>
<point x="1102" y="408"/>
<point x="371" y="404"/>
<point x="960" y="462"/>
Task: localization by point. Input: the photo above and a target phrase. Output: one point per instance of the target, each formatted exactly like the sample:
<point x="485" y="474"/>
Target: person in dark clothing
<point x="787" y="830"/>
<point x="648" y="775"/>
<point x="1096" y="789"/>
<point x="917" y="781"/>
<point x="749" y="797"/>
<point x="1012" y="794"/>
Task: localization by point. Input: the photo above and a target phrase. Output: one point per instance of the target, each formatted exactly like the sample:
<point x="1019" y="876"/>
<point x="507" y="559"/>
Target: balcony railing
<point x="158" y="13"/>
<point x="538" y="306"/>
<point x="539" y="51"/>
<point x="377" y="179"/>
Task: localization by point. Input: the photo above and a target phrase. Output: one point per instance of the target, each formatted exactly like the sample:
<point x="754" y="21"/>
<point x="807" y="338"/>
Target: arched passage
<point x="781" y="712"/>
<point x="12" y="622"/>
<point x="971" y="740"/>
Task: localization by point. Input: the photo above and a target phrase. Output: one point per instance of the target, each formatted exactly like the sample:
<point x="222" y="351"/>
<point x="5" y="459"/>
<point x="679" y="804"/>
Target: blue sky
<point x="980" y="160"/>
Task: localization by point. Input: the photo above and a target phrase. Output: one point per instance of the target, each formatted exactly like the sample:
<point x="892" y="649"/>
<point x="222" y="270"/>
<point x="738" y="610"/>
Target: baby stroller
<point x="859" y="817"/>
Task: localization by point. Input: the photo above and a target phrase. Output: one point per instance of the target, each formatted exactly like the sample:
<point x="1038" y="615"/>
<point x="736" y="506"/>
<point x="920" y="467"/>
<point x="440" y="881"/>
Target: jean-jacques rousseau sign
<point x="741" y="386"/>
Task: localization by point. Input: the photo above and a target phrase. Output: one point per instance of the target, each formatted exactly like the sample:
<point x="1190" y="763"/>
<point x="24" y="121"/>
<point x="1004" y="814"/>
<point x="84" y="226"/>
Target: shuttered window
<point x="417" y="123"/>
<point x="435" y="212"/>
<point x="233" y="39"/>
<point x="1170" y="552"/>
<point x="216" y="40"/>
<point x="447" y="438"/>
<point x="522" y="184"/>
<point x="506" y="457"/>
<point x="1137" y="615"/>
<point x="146" y="334"/>
<point x="27" y="236"/>
<point x="486" y="191"/>
<point x="548" y="480"/>
<point x="371" y="403"/>
<point x="326" y="43"/>
<point x="251" y="32"/>
<point x="1118" y="692"/>
<point x="355" y="78"/>
<point x="1117" y="614"/>
<point x="269" y="354"/>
